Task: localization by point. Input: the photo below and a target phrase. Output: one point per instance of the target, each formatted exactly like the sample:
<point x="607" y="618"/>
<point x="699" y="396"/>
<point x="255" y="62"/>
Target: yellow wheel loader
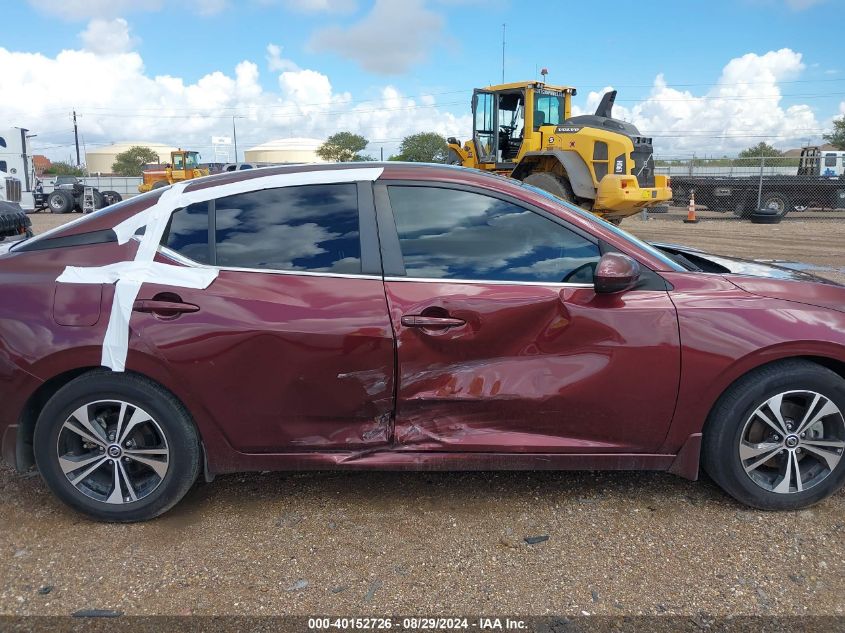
<point x="184" y="165"/>
<point x="526" y="130"/>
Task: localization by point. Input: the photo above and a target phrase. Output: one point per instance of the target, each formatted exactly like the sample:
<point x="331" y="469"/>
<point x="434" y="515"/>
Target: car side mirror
<point x="615" y="273"/>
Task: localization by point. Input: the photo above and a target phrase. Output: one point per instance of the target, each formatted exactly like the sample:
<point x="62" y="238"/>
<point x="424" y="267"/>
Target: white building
<point x="100" y="160"/>
<point x="285" y="150"/>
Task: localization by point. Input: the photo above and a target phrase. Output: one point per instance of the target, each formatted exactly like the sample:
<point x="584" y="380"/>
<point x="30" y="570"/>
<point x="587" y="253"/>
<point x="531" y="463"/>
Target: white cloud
<point x="79" y="10"/>
<point x="741" y="109"/>
<point x="801" y="5"/>
<point x="130" y="104"/>
<point x="389" y="40"/>
<point x="275" y="61"/>
<point x="318" y="6"/>
<point x="85" y="9"/>
<point x="107" y="37"/>
<point x="210" y="7"/>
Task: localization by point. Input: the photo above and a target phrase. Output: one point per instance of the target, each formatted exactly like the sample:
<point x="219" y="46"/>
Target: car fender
<point x="691" y="415"/>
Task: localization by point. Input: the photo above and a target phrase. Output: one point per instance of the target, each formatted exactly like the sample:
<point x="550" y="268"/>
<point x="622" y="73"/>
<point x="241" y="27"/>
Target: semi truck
<point x="15" y="185"/>
<point x="818" y="184"/>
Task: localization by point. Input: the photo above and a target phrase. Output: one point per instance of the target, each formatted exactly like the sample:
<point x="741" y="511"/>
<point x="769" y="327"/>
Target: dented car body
<point x="438" y="331"/>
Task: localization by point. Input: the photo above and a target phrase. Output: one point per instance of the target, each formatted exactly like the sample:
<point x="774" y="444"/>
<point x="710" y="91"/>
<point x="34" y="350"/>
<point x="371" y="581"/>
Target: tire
<point x="555" y="185"/>
<point x="99" y="200"/>
<point x="765" y="216"/>
<point x="60" y="201"/>
<point x="111" y="197"/>
<point x="734" y="426"/>
<point x="157" y="483"/>
<point x="777" y="202"/>
<point x="160" y="183"/>
<point x="453" y="158"/>
<point x="660" y="208"/>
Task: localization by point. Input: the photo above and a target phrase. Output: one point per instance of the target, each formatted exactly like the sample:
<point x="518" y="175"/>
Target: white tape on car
<point x="129" y="276"/>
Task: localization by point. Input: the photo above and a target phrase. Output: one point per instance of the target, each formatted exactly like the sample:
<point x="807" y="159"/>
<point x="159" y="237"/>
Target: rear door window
<point x="309" y="228"/>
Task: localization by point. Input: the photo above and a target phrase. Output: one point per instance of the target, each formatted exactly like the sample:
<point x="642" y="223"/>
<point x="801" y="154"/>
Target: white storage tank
<point x="101" y="159"/>
<point x="285" y="150"/>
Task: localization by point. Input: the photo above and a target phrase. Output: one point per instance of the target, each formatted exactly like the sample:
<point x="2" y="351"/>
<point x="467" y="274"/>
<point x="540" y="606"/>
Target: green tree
<point x="425" y="147"/>
<point x="837" y="137"/>
<point x="343" y="147"/>
<point x="132" y="161"/>
<point x="761" y="149"/>
<point x="64" y="169"/>
<point x="772" y="155"/>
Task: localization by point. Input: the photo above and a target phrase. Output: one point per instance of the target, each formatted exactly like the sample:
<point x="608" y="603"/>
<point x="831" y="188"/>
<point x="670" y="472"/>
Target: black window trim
<point x="394" y="265"/>
<point x="371" y="267"/>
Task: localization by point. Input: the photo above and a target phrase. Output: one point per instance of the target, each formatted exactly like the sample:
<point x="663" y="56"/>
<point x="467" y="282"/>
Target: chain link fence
<point x="124" y="185"/>
<point x="767" y="187"/>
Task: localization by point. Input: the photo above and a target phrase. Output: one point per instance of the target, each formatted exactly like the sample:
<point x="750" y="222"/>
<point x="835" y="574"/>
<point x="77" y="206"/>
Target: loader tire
<point x="551" y="183"/>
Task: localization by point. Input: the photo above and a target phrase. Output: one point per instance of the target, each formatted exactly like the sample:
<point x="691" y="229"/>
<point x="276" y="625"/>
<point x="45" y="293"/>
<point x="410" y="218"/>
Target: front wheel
<point x="552" y="183"/>
<point x="775" y="439"/>
<point x="117" y="447"/>
<point x="60" y="201"/>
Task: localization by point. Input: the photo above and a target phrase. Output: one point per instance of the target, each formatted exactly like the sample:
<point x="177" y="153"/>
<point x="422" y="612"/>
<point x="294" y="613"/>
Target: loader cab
<point x="507" y="120"/>
<point x="184" y="162"/>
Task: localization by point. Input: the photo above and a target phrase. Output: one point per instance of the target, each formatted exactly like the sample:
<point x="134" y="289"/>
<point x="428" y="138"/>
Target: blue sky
<point x="440" y="48"/>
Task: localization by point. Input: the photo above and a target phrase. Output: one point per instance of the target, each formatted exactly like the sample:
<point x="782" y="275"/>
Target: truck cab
<point x="816" y="161"/>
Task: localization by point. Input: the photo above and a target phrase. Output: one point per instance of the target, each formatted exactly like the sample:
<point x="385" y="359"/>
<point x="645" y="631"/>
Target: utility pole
<point x="235" y="138"/>
<point x="76" y="138"/>
<point x="382" y="154"/>
<point x="503" y="52"/>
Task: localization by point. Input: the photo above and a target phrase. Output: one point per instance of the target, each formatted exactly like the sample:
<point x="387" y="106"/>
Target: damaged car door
<point x="503" y="344"/>
<point x="291" y="347"/>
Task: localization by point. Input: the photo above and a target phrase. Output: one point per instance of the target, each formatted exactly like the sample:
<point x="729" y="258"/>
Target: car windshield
<point x="651" y="250"/>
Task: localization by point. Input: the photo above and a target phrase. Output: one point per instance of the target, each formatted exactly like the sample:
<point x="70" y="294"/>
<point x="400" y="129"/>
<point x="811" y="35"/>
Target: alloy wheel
<point x="113" y="451"/>
<point x="792" y="442"/>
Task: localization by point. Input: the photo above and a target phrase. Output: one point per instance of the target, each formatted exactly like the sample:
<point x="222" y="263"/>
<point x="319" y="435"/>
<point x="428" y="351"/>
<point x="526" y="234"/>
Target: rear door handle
<point x="418" y="320"/>
<point x="163" y="307"/>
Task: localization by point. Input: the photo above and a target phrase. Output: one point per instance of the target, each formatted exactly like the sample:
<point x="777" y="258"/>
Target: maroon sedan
<point x="403" y="317"/>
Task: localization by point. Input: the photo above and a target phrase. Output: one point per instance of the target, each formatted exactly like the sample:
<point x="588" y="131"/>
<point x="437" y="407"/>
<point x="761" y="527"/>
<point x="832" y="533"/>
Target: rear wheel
<point x="775" y="440"/>
<point x="777" y="202"/>
<point x="552" y="183"/>
<point x="160" y="183"/>
<point x="117" y="447"/>
<point x="60" y="201"/>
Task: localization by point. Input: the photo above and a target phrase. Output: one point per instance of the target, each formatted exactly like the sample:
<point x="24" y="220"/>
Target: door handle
<point x="168" y="308"/>
<point x="419" y="320"/>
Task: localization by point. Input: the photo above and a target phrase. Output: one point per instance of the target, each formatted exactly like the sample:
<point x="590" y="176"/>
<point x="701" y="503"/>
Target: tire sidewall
<point x="181" y="438"/>
<point x="733" y="472"/>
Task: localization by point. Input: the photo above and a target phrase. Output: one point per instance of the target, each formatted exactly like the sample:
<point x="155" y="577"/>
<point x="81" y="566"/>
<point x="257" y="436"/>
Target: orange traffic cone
<point x="691" y="219"/>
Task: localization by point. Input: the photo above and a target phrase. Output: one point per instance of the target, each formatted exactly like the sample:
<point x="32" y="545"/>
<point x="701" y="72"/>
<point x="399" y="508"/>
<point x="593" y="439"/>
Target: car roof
<point x="393" y="170"/>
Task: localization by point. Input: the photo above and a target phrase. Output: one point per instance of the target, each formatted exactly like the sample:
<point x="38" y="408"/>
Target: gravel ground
<point x="445" y="543"/>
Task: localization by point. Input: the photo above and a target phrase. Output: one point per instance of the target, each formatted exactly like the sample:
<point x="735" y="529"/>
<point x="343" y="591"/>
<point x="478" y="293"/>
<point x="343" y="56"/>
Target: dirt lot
<point x="441" y="544"/>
